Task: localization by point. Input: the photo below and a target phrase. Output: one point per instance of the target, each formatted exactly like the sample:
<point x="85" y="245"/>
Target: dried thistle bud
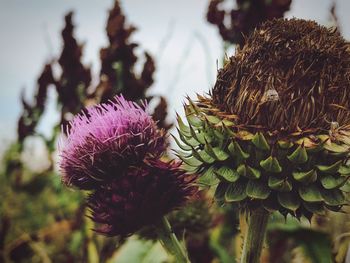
<point x="275" y="133"/>
<point x="105" y="140"/>
<point x="140" y="197"/>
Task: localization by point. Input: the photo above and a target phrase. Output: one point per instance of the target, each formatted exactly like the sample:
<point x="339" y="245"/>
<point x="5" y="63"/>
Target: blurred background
<point x="185" y="47"/>
<point x="58" y="56"/>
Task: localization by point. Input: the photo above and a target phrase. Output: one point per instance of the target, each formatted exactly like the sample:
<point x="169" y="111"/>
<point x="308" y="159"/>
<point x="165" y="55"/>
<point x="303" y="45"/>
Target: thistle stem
<point x="170" y="242"/>
<point x="255" y="236"/>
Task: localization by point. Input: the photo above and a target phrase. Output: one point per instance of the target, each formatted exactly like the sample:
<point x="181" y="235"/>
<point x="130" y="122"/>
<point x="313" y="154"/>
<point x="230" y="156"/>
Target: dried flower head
<point x="275" y="132"/>
<point x="140" y="197"/>
<point x="105" y="139"/>
<point x="291" y="76"/>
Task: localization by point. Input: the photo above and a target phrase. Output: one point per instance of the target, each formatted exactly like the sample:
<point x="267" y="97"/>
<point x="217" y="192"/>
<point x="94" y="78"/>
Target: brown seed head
<point x="290" y="76"/>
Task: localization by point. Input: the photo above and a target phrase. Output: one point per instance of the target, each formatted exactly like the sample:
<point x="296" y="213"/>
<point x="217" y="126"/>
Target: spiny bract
<point x="140" y="197"/>
<point x="275" y="131"/>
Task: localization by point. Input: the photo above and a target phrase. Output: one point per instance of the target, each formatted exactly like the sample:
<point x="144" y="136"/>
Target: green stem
<point x="169" y="241"/>
<point x="255" y="236"/>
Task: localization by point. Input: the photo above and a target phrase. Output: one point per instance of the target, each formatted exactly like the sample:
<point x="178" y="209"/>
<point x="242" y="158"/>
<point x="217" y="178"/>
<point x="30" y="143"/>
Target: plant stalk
<point x="255" y="236"/>
<point x="170" y="242"/>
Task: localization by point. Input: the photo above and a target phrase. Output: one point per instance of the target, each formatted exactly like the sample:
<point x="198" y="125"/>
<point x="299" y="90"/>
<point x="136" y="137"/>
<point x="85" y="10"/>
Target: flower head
<point x="140" y="197"/>
<point x="275" y="130"/>
<point x="291" y="76"/>
<point x="105" y="139"/>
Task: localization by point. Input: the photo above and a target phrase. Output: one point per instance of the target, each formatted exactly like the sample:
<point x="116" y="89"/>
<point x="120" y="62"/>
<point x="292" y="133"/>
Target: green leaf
<point x="194" y="120"/>
<point x="192" y="107"/>
<point x="202" y="156"/>
<point x="227" y="130"/>
<point x="260" y="142"/>
<point x="257" y="190"/>
<point x="236" y="192"/>
<point x="220" y="154"/>
<point x="191" y="161"/>
<point x="227" y="174"/>
<point x="305" y="177"/>
<point x="217" y="153"/>
<point x="183" y="154"/>
<point x="333" y="197"/>
<point x="330" y="169"/>
<point x="212" y="119"/>
<point x="209" y="178"/>
<point x="271" y="165"/>
<point x="315" y="208"/>
<point x="299" y="156"/>
<point x="337" y="148"/>
<point x="285" y="144"/>
<point x="249" y="172"/>
<point x="289" y="201"/>
<point x="319" y="147"/>
<point x="346" y="187"/>
<point x="279" y="184"/>
<point x="344" y="170"/>
<point x="330" y="182"/>
<point x="253" y="173"/>
<point x="182" y="126"/>
<point x="242" y="170"/>
<point x="310" y="193"/>
<point x="198" y="136"/>
<point x="227" y="123"/>
<point x="220" y="191"/>
<point x="218" y="135"/>
<point x="236" y="151"/>
<point x="189" y="141"/>
<point x="190" y="169"/>
<point x="182" y="147"/>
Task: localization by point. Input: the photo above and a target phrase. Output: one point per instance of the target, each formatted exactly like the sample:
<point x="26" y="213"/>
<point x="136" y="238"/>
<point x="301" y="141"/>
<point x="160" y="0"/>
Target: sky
<point x="186" y="48"/>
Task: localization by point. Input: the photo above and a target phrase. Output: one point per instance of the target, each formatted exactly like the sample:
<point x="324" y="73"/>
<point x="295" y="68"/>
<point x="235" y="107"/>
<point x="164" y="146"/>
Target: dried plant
<point x="245" y="17"/>
<point x="33" y="111"/>
<point x="72" y="85"/>
<point x="118" y="62"/>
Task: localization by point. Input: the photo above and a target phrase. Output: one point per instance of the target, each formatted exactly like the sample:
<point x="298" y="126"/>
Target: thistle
<point x="104" y="140"/>
<point x="114" y="150"/>
<point x="274" y="134"/>
<point x="140" y="197"/>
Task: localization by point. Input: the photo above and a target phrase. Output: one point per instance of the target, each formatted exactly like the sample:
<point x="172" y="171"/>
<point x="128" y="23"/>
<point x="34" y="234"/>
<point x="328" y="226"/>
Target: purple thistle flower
<point x="140" y="197"/>
<point x="105" y="140"/>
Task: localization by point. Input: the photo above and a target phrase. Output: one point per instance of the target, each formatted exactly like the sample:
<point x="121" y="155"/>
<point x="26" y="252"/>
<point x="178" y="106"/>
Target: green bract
<point x="299" y="175"/>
